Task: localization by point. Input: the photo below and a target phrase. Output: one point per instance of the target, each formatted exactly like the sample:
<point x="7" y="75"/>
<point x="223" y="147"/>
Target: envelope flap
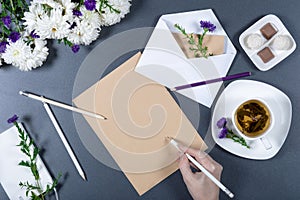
<point x="222" y="62"/>
<point x="162" y="38"/>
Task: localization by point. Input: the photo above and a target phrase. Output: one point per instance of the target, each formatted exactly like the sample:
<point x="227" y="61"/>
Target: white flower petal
<point x="83" y="33"/>
<point x="54" y="26"/>
<point x="109" y="17"/>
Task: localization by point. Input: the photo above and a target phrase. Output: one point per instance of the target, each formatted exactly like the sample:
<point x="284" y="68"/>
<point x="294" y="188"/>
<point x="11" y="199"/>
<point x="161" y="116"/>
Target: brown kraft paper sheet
<point x="140" y="114"/>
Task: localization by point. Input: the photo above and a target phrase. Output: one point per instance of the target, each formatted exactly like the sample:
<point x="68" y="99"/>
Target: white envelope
<point x="164" y="62"/>
<point x="10" y="172"/>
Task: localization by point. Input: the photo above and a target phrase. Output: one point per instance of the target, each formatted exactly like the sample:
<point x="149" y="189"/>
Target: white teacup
<point x="253" y="119"/>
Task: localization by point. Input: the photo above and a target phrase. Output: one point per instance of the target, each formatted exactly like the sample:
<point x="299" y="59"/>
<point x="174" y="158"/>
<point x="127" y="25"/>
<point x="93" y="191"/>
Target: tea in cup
<point x="253" y="120"/>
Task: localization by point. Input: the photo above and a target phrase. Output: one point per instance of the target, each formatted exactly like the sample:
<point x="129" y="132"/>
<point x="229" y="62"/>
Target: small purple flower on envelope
<point x="207" y="25"/>
<point x="13" y="119"/>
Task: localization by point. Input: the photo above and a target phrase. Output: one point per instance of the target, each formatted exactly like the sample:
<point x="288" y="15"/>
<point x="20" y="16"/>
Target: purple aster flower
<point x="34" y="35"/>
<point x="3" y="46"/>
<point x="75" y="48"/>
<point x="221" y="123"/>
<point x="90" y="4"/>
<point x="207" y="25"/>
<point x="13" y="119"/>
<point x="6" y="20"/>
<point x="77" y="13"/>
<point x="223" y="133"/>
<point x="14" y="36"/>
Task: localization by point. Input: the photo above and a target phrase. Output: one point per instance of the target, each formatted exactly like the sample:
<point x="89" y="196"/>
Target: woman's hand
<point x="198" y="184"/>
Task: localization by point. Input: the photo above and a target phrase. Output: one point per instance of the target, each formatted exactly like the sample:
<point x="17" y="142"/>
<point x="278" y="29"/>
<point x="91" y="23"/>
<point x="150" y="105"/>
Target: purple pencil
<point x="225" y="78"/>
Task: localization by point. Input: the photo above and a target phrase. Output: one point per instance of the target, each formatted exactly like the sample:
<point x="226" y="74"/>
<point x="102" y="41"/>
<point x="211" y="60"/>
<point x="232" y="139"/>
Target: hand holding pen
<point x="198" y="184"/>
<point x="204" y="184"/>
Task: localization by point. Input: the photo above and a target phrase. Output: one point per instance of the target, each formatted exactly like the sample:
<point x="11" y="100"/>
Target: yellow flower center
<point x="16" y="53"/>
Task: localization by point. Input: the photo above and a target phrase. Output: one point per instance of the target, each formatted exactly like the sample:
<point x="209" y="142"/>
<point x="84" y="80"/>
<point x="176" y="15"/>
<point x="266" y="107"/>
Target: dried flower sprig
<point x="28" y="148"/>
<point x="225" y="132"/>
<point x="197" y="46"/>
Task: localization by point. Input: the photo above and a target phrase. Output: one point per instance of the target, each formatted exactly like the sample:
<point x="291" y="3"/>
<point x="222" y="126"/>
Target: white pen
<point x="62" y="105"/>
<point x="64" y="140"/>
<point x="207" y="173"/>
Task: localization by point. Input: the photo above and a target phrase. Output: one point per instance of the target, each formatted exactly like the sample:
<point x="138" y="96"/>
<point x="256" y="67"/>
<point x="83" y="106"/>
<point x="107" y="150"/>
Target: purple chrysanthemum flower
<point x="34" y="35"/>
<point x="223" y="133"/>
<point x="6" y="20"/>
<point x="75" y="48"/>
<point x="13" y="119"/>
<point x="77" y="13"/>
<point x="14" y="36"/>
<point x="3" y="46"/>
<point x="221" y="123"/>
<point x="207" y="25"/>
<point x="90" y="4"/>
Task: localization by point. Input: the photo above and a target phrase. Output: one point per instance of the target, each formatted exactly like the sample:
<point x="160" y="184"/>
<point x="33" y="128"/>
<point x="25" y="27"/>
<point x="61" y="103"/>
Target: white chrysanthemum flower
<point x="30" y="18"/>
<point x="90" y="17"/>
<point x="17" y="53"/>
<point x="54" y="26"/>
<point x="68" y="7"/>
<point x="39" y="53"/>
<point x="110" y="17"/>
<point x="83" y="33"/>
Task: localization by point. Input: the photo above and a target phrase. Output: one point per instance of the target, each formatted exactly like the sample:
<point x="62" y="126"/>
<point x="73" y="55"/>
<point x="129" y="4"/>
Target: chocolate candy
<point x="266" y="54"/>
<point x="268" y="31"/>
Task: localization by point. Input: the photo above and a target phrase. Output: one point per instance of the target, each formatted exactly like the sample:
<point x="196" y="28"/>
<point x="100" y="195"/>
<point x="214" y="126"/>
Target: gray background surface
<point x="277" y="178"/>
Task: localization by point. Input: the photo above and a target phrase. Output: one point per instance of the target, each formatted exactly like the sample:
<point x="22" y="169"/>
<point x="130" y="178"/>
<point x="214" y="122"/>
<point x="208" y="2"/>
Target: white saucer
<point x="242" y="90"/>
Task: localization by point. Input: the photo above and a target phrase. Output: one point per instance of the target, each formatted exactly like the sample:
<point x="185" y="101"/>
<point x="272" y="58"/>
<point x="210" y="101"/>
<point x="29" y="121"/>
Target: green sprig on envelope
<point x="27" y="147"/>
<point x="197" y="46"/>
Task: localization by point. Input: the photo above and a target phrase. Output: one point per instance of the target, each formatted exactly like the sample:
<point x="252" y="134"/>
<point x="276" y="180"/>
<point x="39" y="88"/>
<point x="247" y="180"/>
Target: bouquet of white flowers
<point x="25" y="28"/>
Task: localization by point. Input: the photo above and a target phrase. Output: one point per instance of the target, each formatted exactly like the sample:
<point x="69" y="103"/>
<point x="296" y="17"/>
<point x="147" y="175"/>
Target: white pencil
<point x="207" y="173"/>
<point x="64" y="140"/>
<point x="62" y="105"/>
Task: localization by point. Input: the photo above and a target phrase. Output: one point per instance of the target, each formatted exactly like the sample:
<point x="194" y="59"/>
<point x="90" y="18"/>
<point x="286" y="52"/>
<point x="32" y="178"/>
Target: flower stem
<point x="14" y="16"/>
<point x="236" y="138"/>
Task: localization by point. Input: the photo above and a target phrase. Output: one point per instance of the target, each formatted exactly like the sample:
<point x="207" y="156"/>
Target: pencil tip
<point x="83" y="177"/>
<point x="173" y="89"/>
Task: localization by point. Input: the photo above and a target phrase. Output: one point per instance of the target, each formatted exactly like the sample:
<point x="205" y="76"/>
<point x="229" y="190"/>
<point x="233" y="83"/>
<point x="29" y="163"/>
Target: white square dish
<point x="279" y="55"/>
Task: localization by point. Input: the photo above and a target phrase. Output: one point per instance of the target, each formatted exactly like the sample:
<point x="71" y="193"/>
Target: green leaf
<point x="34" y="171"/>
<point x="24" y="163"/>
<point x="35" y="153"/>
